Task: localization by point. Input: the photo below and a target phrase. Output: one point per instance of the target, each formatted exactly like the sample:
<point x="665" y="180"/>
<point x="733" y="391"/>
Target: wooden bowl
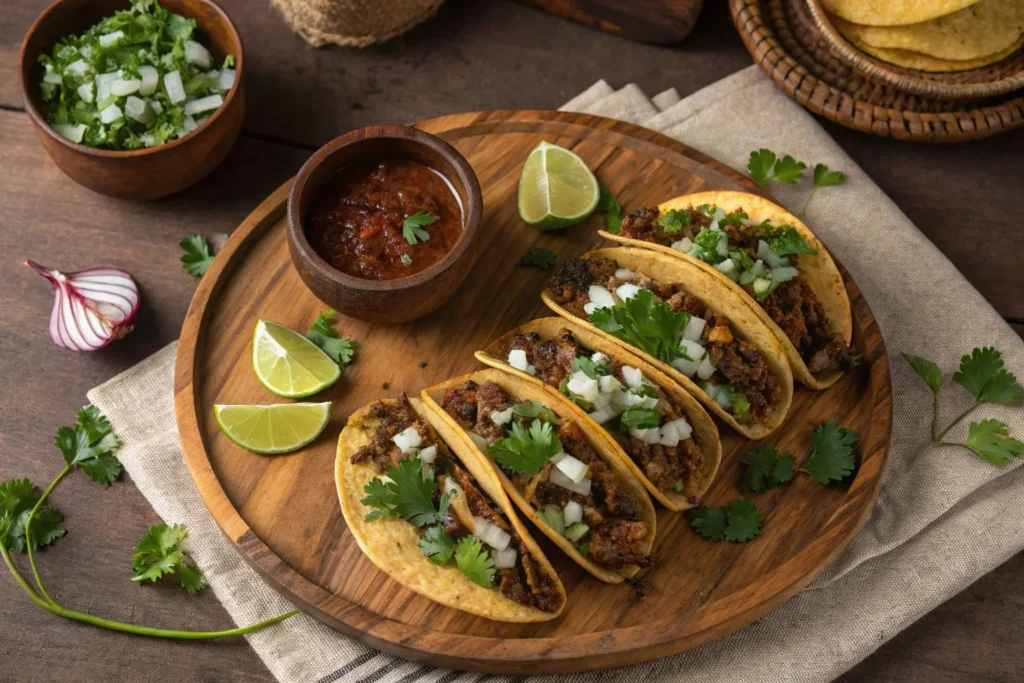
<point x="142" y="173"/>
<point x="384" y="301"/>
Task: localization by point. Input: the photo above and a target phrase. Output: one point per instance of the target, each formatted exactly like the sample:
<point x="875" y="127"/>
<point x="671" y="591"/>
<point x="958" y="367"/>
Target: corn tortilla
<point x="922" y="62"/>
<point x="893" y="12"/>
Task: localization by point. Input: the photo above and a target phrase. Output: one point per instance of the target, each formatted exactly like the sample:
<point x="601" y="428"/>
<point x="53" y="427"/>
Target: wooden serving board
<point x="282" y="512"/>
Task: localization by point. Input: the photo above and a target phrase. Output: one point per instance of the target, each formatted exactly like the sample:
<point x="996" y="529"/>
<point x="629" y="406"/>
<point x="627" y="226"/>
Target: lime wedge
<point x="288" y="364"/>
<point x="556" y="189"/>
<point x="280" y="428"/>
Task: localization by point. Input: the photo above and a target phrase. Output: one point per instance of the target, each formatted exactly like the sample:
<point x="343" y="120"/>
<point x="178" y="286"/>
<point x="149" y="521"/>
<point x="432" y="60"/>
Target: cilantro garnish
<point x="612" y="210"/>
<point x="589" y="367"/>
<point x="197" y="257"/>
<point x="982" y="374"/>
<point x="408" y="496"/>
<point x="474" y="561"/>
<point x="636" y="417"/>
<point x="765" y="469"/>
<point x="90" y="444"/>
<point x="673" y="220"/>
<point x="159" y="554"/>
<point x="412" y="227"/>
<point x="406" y="259"/>
<point x="322" y="333"/>
<point x="737" y="522"/>
<point x="832" y="458"/>
<point x="823" y="177"/>
<point x="706" y="242"/>
<point x="539" y="258"/>
<point x="788" y="170"/>
<point x="437" y="545"/>
<point x="646" y="323"/>
<point x="764" y="166"/>
<point x="734" y="218"/>
<point x="535" y="409"/>
<point x="17" y="498"/>
<point x="788" y="241"/>
<point x="525" y="451"/>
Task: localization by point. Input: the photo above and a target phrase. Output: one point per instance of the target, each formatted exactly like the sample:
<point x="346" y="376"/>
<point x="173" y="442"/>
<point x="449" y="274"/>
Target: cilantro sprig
<point x="612" y="210"/>
<point x="437" y="545"/>
<point x="832" y="458"/>
<point x="535" y="409"/>
<point x="765" y="166"/>
<point x="646" y="323"/>
<point x="525" y="451"/>
<point x="765" y="469"/>
<point x="407" y="493"/>
<point x="475" y="561"/>
<point x="539" y="258"/>
<point x="738" y="521"/>
<point x="197" y="257"/>
<point x="983" y="375"/>
<point x="322" y="333"/>
<point x="674" y="220"/>
<point x="412" y="227"/>
<point x="159" y="554"/>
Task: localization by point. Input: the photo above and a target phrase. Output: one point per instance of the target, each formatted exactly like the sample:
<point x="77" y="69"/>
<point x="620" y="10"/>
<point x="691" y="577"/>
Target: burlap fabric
<point x="353" y="23"/>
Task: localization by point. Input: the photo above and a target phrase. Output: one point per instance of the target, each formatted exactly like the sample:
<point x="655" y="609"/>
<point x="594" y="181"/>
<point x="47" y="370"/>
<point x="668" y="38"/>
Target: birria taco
<point x="767" y="256"/>
<point x="667" y="439"/>
<point x="568" y="482"/>
<point x="432" y="515"/>
<point x="683" y="321"/>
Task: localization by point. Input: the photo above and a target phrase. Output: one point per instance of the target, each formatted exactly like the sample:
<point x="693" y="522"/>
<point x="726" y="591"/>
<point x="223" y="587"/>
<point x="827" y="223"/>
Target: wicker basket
<point x="353" y="23"/>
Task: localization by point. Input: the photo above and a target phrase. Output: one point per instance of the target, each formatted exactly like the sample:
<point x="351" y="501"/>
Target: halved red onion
<point x="92" y="307"/>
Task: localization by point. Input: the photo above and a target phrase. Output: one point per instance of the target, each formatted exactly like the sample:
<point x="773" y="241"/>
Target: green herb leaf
<point x="832" y="458"/>
<point x="535" y="409"/>
<point x="159" y="554"/>
<point x="982" y="374"/>
<point x="197" y="257"/>
<point x="406" y="259"/>
<point x="673" y="220"/>
<point x="636" y="417"/>
<point x="526" y="451"/>
<point x="990" y="439"/>
<point x="589" y="367"/>
<point x="645" y="323"/>
<point x="928" y="371"/>
<point x="760" y="166"/>
<point x="788" y="241"/>
<point x="90" y="444"/>
<point x="612" y="210"/>
<point x="788" y="170"/>
<point x="104" y="468"/>
<point x="539" y="258"/>
<point x="437" y="545"/>
<point x="474" y="561"/>
<point x="408" y="496"/>
<point x="739" y="521"/>
<point x="765" y="469"/>
<point x="74" y="445"/>
<point x="17" y="498"/>
<point x="734" y="218"/>
<point x="823" y="177"/>
<point x="322" y="333"/>
<point x="412" y="227"/>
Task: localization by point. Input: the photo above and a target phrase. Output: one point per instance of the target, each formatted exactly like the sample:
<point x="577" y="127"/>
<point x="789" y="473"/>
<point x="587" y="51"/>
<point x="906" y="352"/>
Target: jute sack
<point x="353" y="23"/>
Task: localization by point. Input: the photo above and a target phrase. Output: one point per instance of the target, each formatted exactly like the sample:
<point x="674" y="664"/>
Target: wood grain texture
<point x="282" y="512"/>
<point x="649" y="21"/>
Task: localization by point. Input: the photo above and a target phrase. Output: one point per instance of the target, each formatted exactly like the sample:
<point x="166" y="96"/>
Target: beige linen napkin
<point x="941" y="517"/>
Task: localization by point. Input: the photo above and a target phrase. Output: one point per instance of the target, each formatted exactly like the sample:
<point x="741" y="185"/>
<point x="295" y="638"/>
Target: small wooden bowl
<point x="143" y="173"/>
<point x="384" y="301"/>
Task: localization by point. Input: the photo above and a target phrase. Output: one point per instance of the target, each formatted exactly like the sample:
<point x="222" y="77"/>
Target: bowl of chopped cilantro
<point x="134" y="98"/>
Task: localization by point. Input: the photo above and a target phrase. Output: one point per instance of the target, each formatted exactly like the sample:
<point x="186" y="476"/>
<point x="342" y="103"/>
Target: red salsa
<point x="357" y="222"/>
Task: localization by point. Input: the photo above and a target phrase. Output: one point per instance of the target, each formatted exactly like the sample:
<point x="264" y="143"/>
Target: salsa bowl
<point x="384" y="300"/>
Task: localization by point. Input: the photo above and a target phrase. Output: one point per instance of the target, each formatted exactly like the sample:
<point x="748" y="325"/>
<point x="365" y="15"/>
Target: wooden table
<point x="474" y="55"/>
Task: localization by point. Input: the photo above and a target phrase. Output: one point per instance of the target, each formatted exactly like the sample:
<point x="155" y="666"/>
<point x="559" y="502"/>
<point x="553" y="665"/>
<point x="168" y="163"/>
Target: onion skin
<point x="92" y="307"/>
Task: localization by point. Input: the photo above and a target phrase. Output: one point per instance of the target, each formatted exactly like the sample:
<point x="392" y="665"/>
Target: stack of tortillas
<point x="932" y="35"/>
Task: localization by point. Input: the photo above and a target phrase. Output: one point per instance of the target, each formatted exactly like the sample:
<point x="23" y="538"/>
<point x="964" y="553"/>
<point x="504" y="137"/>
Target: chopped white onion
<point x="711" y="389"/>
<point x="727" y="266"/>
<point x="156" y="107"/>
<point x="694" y="329"/>
<point x="624" y="274"/>
<point x="765" y="253"/>
<point x="137" y="109"/>
<point x="502" y="417"/>
<point x="651" y="435"/>
<point x="52" y="77"/>
<point x="600" y="296"/>
<point x="687" y="367"/>
<point x="602" y="415"/>
<point x="427" y="455"/>
<point x="504" y="559"/>
<point x="583" y="386"/>
<point x="608" y="384"/>
<point x="629" y="399"/>
<point x="203" y="104"/>
<point x="111" y="114"/>
<point x="103" y="82"/>
<point x="682" y="428"/>
<point x="603" y="400"/>
<point x="706" y="368"/>
<point x="226" y="79"/>
<point x="724" y="399"/>
<point x="684" y="245"/>
<point x="627" y="291"/>
<point x="407" y="440"/>
<point x="669" y="436"/>
<point x="174" y="87"/>
<point x="491" y="533"/>
<point x="517" y="359"/>
<point x="122" y="87"/>
<point x="557" y="457"/>
<point x="451" y="487"/>
<point x="723" y="245"/>
<point x="573" y="468"/>
<point x="85" y="91"/>
<point x="693" y="349"/>
<point x="71" y="132"/>
<point x="108" y="39"/>
<point x="559" y="478"/>
<point x="649" y="402"/>
<point x="573" y="513"/>
<point x="480" y="442"/>
<point x="784" y="273"/>
<point x="150" y="79"/>
<point x="197" y="54"/>
<point x="77" y="68"/>
<point x="634" y="378"/>
<point x="599" y="358"/>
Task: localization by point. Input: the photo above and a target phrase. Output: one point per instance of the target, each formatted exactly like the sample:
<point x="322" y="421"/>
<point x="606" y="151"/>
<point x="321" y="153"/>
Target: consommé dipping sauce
<point x="384" y="220"/>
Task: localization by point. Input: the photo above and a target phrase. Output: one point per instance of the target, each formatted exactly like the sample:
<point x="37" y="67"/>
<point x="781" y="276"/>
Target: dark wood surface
<point x="500" y="54"/>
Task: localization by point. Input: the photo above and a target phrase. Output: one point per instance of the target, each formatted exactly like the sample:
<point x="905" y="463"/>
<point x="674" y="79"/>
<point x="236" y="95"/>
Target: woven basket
<point x="787" y="43"/>
<point x="353" y="23"/>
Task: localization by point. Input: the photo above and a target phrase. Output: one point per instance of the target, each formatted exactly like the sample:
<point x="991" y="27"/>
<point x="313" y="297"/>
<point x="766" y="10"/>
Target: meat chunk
<point x="796" y="309"/>
<point x="614" y="545"/>
<point x="389" y="420"/>
<point x="460" y="403"/>
<point x="490" y="398"/>
<point x="743" y="367"/>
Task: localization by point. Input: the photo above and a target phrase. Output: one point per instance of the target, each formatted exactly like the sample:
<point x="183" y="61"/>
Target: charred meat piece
<point x="490" y="398"/>
<point x="614" y="544"/>
<point x="553" y="358"/>
<point x="742" y="366"/>
<point x="391" y="419"/>
<point x="460" y="403"/>
<point x="796" y="309"/>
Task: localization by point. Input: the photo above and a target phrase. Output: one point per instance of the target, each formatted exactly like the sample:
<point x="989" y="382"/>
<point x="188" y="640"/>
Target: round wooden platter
<point x="282" y="512"/>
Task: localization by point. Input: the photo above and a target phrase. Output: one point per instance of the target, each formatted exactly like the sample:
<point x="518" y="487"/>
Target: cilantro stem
<point x="937" y="441"/>
<point x="28" y="530"/>
<point x="803" y="211"/>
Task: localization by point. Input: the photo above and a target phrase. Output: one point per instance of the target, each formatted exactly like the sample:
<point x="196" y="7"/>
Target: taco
<point x="433" y="516"/>
<point x="772" y="260"/>
<point x="682" y="320"/>
<point x="666" y="438"/>
<point x="567" y="481"/>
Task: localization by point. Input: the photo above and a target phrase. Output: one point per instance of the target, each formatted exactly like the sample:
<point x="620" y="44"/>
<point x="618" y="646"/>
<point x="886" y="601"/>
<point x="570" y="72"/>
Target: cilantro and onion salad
<point x="137" y="79"/>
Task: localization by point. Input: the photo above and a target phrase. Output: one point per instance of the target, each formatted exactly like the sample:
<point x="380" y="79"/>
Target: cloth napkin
<point x="940" y="521"/>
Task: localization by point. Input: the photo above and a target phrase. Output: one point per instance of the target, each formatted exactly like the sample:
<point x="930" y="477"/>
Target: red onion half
<point x="93" y="307"/>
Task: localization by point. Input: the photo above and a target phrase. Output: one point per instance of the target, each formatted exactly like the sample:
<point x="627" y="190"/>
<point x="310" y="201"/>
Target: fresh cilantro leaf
<point x="73" y="443"/>
<point x="474" y="561"/>
<point x="539" y="258"/>
<point x="322" y="333"/>
<point x="159" y="554"/>
<point x="93" y="422"/>
<point x="17" y="498"/>
<point x="832" y="458"/>
<point x="982" y="373"/>
<point x="589" y="367"/>
<point x="90" y="444"/>
<point x="742" y="259"/>
<point x="765" y="469"/>
<point x="740" y="408"/>
<point x="437" y="545"/>
<point x="197" y="257"/>
<point x="928" y="371"/>
<point x="734" y="218"/>
<point x="707" y="240"/>
<point x="645" y="323"/>
<point x="788" y="170"/>
<point x="674" y="220"/>
<point x="744" y="521"/>
<point x="709" y="522"/>
<point x="412" y="227"/>
<point x="678" y="486"/>
<point x="636" y="417"/>
<point x="104" y="468"/>
<point x="408" y="496"/>
<point x="229" y="62"/>
<point x="823" y="177"/>
<point x="760" y="166"/>
<point x="788" y="241"/>
<point x="535" y="409"/>
<point x="706" y="209"/>
<point x="612" y="210"/>
<point x="406" y="259"/>
<point x="526" y="452"/>
<point x="990" y="439"/>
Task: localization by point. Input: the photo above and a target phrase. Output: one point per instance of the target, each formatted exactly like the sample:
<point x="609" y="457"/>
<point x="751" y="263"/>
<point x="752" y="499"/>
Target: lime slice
<point x="556" y="189"/>
<point x="288" y="364"/>
<point x="280" y="428"/>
